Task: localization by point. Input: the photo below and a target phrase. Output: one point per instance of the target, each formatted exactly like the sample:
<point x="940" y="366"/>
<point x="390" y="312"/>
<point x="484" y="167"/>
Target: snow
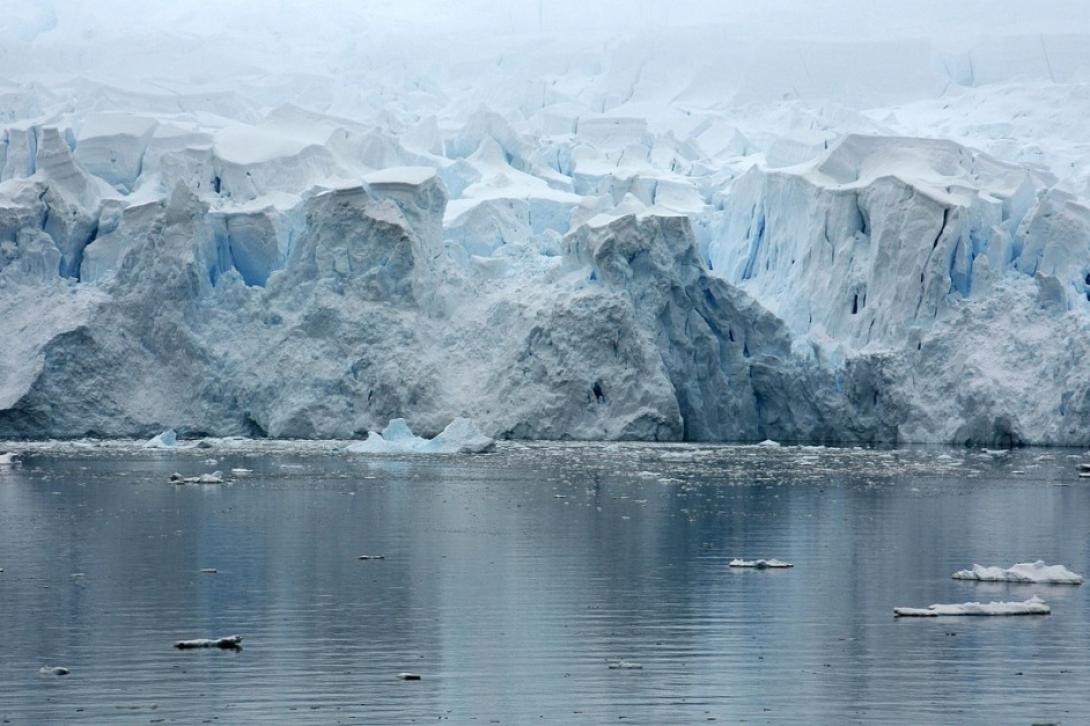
<point x="1032" y="606"/>
<point x="460" y="436"/>
<point x="796" y="221"/>
<point x="1030" y="572"/>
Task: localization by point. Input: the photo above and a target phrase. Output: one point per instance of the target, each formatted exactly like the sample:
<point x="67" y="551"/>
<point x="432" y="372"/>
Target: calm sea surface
<point x="511" y="581"/>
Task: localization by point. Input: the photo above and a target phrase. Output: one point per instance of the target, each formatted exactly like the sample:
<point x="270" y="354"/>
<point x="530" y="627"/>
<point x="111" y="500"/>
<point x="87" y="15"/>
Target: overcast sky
<point x="26" y="19"/>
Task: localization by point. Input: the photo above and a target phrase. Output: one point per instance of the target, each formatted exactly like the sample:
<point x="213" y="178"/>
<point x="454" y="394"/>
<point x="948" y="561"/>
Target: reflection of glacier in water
<point x="512" y="602"/>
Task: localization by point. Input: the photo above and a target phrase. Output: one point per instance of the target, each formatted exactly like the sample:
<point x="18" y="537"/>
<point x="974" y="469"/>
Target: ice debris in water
<point x="769" y="443"/>
<point x="230" y="642"/>
<point x="215" y="477"/>
<point x="759" y="564"/>
<point x="409" y="676"/>
<point x="371" y="557"/>
<point x="8" y="458"/>
<point x="1033" y="606"/>
<point x="461" y="436"/>
<point x="166" y="440"/>
<point x="1033" y="572"/>
<point x="54" y="671"/>
<point x="625" y="665"/>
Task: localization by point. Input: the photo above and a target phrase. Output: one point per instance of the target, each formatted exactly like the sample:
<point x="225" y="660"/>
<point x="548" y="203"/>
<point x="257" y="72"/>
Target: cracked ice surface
<point x="709" y="222"/>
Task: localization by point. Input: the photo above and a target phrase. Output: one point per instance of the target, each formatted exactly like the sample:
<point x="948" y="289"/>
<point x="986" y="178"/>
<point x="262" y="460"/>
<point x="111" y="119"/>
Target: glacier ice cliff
<point x="692" y="240"/>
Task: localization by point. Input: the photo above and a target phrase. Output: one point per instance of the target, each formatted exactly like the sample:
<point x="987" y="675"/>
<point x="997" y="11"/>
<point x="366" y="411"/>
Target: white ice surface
<point x="1030" y="572"/>
<point x="793" y="220"/>
<point x="1032" y="606"/>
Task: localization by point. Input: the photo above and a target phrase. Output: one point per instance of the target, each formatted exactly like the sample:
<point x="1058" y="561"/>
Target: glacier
<point x="594" y="237"/>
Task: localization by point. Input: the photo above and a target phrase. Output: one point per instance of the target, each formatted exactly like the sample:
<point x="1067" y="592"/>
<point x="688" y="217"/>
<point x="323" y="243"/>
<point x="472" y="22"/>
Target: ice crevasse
<point x="892" y="289"/>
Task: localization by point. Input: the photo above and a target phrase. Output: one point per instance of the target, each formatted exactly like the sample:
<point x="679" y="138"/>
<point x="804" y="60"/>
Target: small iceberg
<point x="625" y="665"/>
<point x="769" y="444"/>
<point x="215" y="477"/>
<point x="54" y="671"/>
<point x="166" y="440"/>
<point x="773" y="564"/>
<point x="231" y="642"/>
<point x="1033" y="572"/>
<point x="1033" y="606"/>
<point x="8" y="458"/>
<point x="461" y="436"/>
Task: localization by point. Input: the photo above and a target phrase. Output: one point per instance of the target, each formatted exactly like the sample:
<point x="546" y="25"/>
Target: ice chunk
<point x="230" y="642"/>
<point x="760" y="564"/>
<point x="53" y="671"/>
<point x="166" y="440"/>
<point x="8" y="458"/>
<point x="215" y="477"/>
<point x="1030" y="572"/>
<point x="461" y="436"/>
<point x="625" y="665"/>
<point x="1033" y="606"/>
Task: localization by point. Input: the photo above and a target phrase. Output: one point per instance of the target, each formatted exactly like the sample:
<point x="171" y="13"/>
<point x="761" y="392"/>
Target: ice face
<point x="882" y="240"/>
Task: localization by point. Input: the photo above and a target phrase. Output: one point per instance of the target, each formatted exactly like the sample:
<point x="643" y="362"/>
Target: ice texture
<point x="1033" y="606"/>
<point x="1030" y="572"/>
<point x="460" y="436"/>
<point x="166" y="440"/>
<point x="761" y="226"/>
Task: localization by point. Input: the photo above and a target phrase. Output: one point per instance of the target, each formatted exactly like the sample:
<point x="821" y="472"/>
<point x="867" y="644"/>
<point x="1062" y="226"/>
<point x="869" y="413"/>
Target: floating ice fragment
<point x="759" y="564"/>
<point x="409" y="676"/>
<point x="54" y="671"/>
<point x="241" y="472"/>
<point x="371" y="557"/>
<point x="8" y="458"/>
<point x="166" y="440"/>
<point x="215" y="477"/>
<point x="209" y="571"/>
<point x="1031" y="572"/>
<point x="461" y="436"/>
<point x="769" y="443"/>
<point x="230" y="642"/>
<point x="625" y="665"/>
<point x="1033" y="606"/>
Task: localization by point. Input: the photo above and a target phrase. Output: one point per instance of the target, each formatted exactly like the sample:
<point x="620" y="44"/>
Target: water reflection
<point x="509" y="582"/>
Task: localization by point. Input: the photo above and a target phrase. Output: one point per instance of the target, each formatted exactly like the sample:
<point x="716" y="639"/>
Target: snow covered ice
<point x="705" y="221"/>
<point x="1030" y="572"/>
<point x="1033" y="606"/>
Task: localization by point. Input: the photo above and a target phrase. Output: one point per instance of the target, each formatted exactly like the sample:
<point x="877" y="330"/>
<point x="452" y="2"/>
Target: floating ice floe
<point x="625" y="665"/>
<point x="1033" y="606"/>
<point x="53" y="671"/>
<point x="166" y="440"/>
<point x="371" y="557"/>
<point x="760" y="564"/>
<point x="461" y="436"/>
<point x="409" y="676"/>
<point x="1034" y="572"/>
<point x="9" y="458"/>
<point x="215" y="477"/>
<point x="230" y="642"/>
<point x="769" y="443"/>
